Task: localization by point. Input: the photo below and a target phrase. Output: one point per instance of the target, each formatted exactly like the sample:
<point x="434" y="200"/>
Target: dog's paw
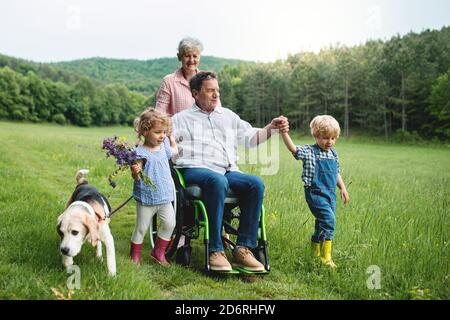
<point x="98" y="252"/>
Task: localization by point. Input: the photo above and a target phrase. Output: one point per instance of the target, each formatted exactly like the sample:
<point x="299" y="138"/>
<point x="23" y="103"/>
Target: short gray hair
<point x="189" y="43"/>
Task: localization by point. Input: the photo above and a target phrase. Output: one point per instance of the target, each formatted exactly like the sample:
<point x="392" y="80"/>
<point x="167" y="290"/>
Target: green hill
<point x="143" y="76"/>
<point x="139" y="75"/>
<point x="43" y="70"/>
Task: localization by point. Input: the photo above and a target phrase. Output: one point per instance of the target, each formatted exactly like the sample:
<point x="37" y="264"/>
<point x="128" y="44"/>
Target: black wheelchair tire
<point x="183" y="256"/>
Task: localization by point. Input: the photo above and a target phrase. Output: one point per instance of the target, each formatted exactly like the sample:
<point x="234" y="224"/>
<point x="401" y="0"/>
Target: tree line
<point x="95" y="91"/>
<point x="30" y="98"/>
<point x="397" y="88"/>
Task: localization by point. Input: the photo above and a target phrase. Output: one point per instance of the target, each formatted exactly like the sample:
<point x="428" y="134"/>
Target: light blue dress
<point x="158" y="170"/>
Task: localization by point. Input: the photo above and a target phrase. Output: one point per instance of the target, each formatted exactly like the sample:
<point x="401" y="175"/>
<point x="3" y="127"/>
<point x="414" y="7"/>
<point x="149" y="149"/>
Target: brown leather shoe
<point x="218" y="261"/>
<point x="244" y="258"/>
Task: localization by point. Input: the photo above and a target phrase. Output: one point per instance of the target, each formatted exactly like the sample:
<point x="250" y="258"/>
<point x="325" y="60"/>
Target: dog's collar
<point x="85" y="205"/>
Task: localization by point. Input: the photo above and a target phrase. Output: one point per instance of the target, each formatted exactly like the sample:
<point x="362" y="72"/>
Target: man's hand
<point x="281" y="123"/>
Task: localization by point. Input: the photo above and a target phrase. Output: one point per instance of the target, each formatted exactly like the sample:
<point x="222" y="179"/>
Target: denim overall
<point x="321" y="196"/>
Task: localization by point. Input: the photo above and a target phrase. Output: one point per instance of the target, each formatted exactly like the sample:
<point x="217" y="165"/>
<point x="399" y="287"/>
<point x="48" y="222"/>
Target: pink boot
<point x="159" y="251"/>
<point x="135" y="253"/>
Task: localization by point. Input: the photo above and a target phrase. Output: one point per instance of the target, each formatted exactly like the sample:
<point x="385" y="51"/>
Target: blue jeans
<point x="321" y="196"/>
<point x="248" y="188"/>
<point x="323" y="207"/>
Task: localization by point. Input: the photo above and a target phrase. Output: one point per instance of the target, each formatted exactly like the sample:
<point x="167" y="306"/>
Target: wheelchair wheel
<point x="260" y="253"/>
<point x="178" y="204"/>
<point x="191" y="218"/>
<point x="231" y="223"/>
<point x="153" y="230"/>
<point x="183" y="256"/>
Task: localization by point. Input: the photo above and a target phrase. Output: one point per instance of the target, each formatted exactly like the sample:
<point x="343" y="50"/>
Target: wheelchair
<point x="192" y="221"/>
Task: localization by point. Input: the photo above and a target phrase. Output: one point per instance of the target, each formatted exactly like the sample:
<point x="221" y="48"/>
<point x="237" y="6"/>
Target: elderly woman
<point x="174" y="94"/>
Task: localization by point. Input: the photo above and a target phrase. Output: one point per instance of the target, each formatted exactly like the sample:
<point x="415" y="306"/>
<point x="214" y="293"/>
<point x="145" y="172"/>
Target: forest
<point x="397" y="88"/>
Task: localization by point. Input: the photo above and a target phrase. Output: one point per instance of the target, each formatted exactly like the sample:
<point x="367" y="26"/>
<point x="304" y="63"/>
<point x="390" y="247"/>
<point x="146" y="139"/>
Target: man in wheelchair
<point x="208" y="136"/>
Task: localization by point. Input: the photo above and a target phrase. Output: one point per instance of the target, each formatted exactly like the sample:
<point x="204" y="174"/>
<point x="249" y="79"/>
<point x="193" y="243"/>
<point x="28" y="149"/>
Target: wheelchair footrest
<point x="237" y="270"/>
<point x="245" y="271"/>
<point x="232" y="271"/>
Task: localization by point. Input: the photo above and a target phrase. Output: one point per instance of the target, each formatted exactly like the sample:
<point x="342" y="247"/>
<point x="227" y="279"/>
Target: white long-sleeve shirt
<point x="210" y="140"/>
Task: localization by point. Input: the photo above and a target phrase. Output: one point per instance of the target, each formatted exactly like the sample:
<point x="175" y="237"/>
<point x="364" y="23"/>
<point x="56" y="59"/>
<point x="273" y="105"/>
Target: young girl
<point x="154" y="155"/>
<point x="320" y="177"/>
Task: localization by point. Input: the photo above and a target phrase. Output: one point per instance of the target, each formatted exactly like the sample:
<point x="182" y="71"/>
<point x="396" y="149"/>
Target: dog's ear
<point x="91" y="225"/>
<point x="69" y="201"/>
<point x="58" y="226"/>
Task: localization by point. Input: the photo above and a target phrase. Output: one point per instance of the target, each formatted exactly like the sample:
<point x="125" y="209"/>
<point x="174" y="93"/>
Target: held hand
<point x="284" y="125"/>
<point x="284" y="128"/>
<point x="345" y="196"/>
<point x="281" y="123"/>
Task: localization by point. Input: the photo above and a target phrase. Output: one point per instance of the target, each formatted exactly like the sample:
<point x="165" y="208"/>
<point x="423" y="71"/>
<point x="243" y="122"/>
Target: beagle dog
<point x="86" y="217"/>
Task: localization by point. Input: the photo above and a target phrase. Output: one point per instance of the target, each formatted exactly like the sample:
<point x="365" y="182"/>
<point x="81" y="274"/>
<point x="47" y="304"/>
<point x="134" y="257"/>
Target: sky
<point x="256" y="30"/>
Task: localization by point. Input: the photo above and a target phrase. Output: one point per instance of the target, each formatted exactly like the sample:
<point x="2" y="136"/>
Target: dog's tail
<point x="81" y="176"/>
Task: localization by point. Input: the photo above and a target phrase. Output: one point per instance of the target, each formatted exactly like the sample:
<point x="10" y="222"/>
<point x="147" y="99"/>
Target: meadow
<point x="396" y="228"/>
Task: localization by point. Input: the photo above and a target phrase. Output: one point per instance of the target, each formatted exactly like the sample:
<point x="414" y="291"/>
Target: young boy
<point x="320" y="177"/>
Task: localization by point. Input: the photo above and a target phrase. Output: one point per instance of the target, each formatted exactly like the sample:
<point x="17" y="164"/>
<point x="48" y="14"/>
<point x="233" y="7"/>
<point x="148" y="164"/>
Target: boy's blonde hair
<point x="147" y="119"/>
<point x="325" y="126"/>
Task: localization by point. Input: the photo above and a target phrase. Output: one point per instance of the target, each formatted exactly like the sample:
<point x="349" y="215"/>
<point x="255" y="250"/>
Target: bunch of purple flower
<point x="118" y="148"/>
<point x="125" y="156"/>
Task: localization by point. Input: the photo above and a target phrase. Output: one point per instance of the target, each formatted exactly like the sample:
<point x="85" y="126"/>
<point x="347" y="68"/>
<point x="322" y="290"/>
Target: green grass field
<point x="398" y="219"/>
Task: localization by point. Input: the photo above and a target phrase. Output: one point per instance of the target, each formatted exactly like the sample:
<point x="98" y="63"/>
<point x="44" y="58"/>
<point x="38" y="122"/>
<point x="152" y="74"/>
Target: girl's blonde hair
<point x="325" y="126"/>
<point x="147" y="119"/>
